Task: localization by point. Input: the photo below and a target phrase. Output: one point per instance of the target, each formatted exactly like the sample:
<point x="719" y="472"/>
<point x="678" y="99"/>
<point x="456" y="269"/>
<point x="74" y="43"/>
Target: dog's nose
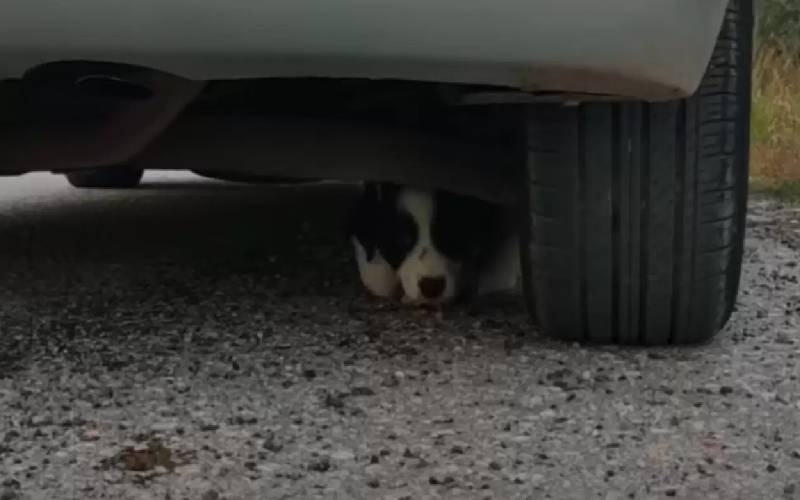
<point x="432" y="287"/>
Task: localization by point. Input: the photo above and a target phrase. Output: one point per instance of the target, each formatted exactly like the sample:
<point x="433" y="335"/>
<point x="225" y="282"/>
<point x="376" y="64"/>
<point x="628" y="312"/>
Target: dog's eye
<point x="405" y="232"/>
<point x="405" y="238"/>
<point x="398" y="237"/>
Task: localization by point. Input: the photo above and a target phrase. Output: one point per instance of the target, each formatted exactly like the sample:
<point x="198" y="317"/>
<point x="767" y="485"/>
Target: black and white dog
<point x="431" y="246"/>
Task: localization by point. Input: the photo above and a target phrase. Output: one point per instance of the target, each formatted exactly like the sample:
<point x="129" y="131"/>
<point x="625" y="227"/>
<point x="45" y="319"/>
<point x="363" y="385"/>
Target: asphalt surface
<point x="202" y="340"/>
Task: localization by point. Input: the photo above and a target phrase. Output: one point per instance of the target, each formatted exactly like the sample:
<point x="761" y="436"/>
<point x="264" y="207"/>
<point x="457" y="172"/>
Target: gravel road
<point x="206" y="341"/>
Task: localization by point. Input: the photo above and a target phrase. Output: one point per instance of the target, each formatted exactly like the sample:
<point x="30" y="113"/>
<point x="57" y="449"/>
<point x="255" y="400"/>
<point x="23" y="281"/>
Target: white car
<point x="618" y="127"/>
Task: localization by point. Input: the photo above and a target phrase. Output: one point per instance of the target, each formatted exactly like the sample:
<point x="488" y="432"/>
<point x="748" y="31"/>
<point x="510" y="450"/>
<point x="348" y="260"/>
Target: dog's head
<point x="421" y="244"/>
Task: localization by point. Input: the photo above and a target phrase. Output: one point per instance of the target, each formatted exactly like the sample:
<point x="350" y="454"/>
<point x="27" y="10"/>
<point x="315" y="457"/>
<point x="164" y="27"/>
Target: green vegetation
<point x="779" y="24"/>
<point x="776" y="100"/>
<point x="784" y="190"/>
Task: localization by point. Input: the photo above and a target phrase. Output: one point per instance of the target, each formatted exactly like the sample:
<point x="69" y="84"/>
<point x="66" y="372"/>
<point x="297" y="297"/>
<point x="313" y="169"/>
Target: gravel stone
<point x="322" y="464"/>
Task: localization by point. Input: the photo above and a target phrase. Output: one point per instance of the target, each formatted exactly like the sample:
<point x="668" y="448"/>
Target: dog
<point x="431" y="247"/>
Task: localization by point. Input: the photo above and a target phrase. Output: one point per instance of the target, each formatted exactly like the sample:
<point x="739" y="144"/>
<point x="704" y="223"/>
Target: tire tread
<point x="637" y="210"/>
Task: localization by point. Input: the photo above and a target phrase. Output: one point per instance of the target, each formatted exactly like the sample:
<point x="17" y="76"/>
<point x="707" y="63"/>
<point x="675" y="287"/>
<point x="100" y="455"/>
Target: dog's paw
<point x="376" y="274"/>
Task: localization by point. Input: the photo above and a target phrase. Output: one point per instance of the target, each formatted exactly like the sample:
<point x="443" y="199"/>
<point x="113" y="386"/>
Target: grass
<point x="775" y="126"/>
<point x="782" y="190"/>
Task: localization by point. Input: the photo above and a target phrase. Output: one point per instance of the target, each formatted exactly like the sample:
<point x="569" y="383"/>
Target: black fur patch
<point x="378" y="224"/>
<point x="463" y="227"/>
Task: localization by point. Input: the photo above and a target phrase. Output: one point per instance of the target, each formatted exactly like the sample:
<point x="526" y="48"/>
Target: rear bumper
<point x="652" y="49"/>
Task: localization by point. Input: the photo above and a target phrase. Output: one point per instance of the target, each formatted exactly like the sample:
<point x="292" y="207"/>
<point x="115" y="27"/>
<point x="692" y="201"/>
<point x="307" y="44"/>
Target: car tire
<point x="636" y="211"/>
<point x="106" y="178"/>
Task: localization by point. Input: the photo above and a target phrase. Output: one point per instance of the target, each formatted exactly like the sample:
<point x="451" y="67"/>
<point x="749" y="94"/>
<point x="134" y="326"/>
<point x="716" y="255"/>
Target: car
<point x="617" y="129"/>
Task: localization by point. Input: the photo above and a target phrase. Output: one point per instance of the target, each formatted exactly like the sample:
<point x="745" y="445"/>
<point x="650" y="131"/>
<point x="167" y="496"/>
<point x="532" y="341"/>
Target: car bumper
<point x="651" y="49"/>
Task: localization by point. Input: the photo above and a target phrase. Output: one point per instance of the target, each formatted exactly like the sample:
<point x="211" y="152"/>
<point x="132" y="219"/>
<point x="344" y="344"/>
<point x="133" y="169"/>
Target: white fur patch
<point x="376" y="274"/>
<point x="424" y="260"/>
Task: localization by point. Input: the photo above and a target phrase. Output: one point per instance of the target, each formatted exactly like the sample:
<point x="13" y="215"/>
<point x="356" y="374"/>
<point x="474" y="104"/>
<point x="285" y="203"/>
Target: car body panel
<point x="651" y="49"/>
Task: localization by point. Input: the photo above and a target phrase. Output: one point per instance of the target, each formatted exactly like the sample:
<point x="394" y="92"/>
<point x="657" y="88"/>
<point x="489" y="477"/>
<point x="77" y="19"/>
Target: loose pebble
<point x="167" y="343"/>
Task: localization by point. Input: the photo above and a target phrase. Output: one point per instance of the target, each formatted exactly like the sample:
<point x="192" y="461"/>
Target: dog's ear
<point x="364" y="218"/>
<point x="383" y="194"/>
<point x="372" y="193"/>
